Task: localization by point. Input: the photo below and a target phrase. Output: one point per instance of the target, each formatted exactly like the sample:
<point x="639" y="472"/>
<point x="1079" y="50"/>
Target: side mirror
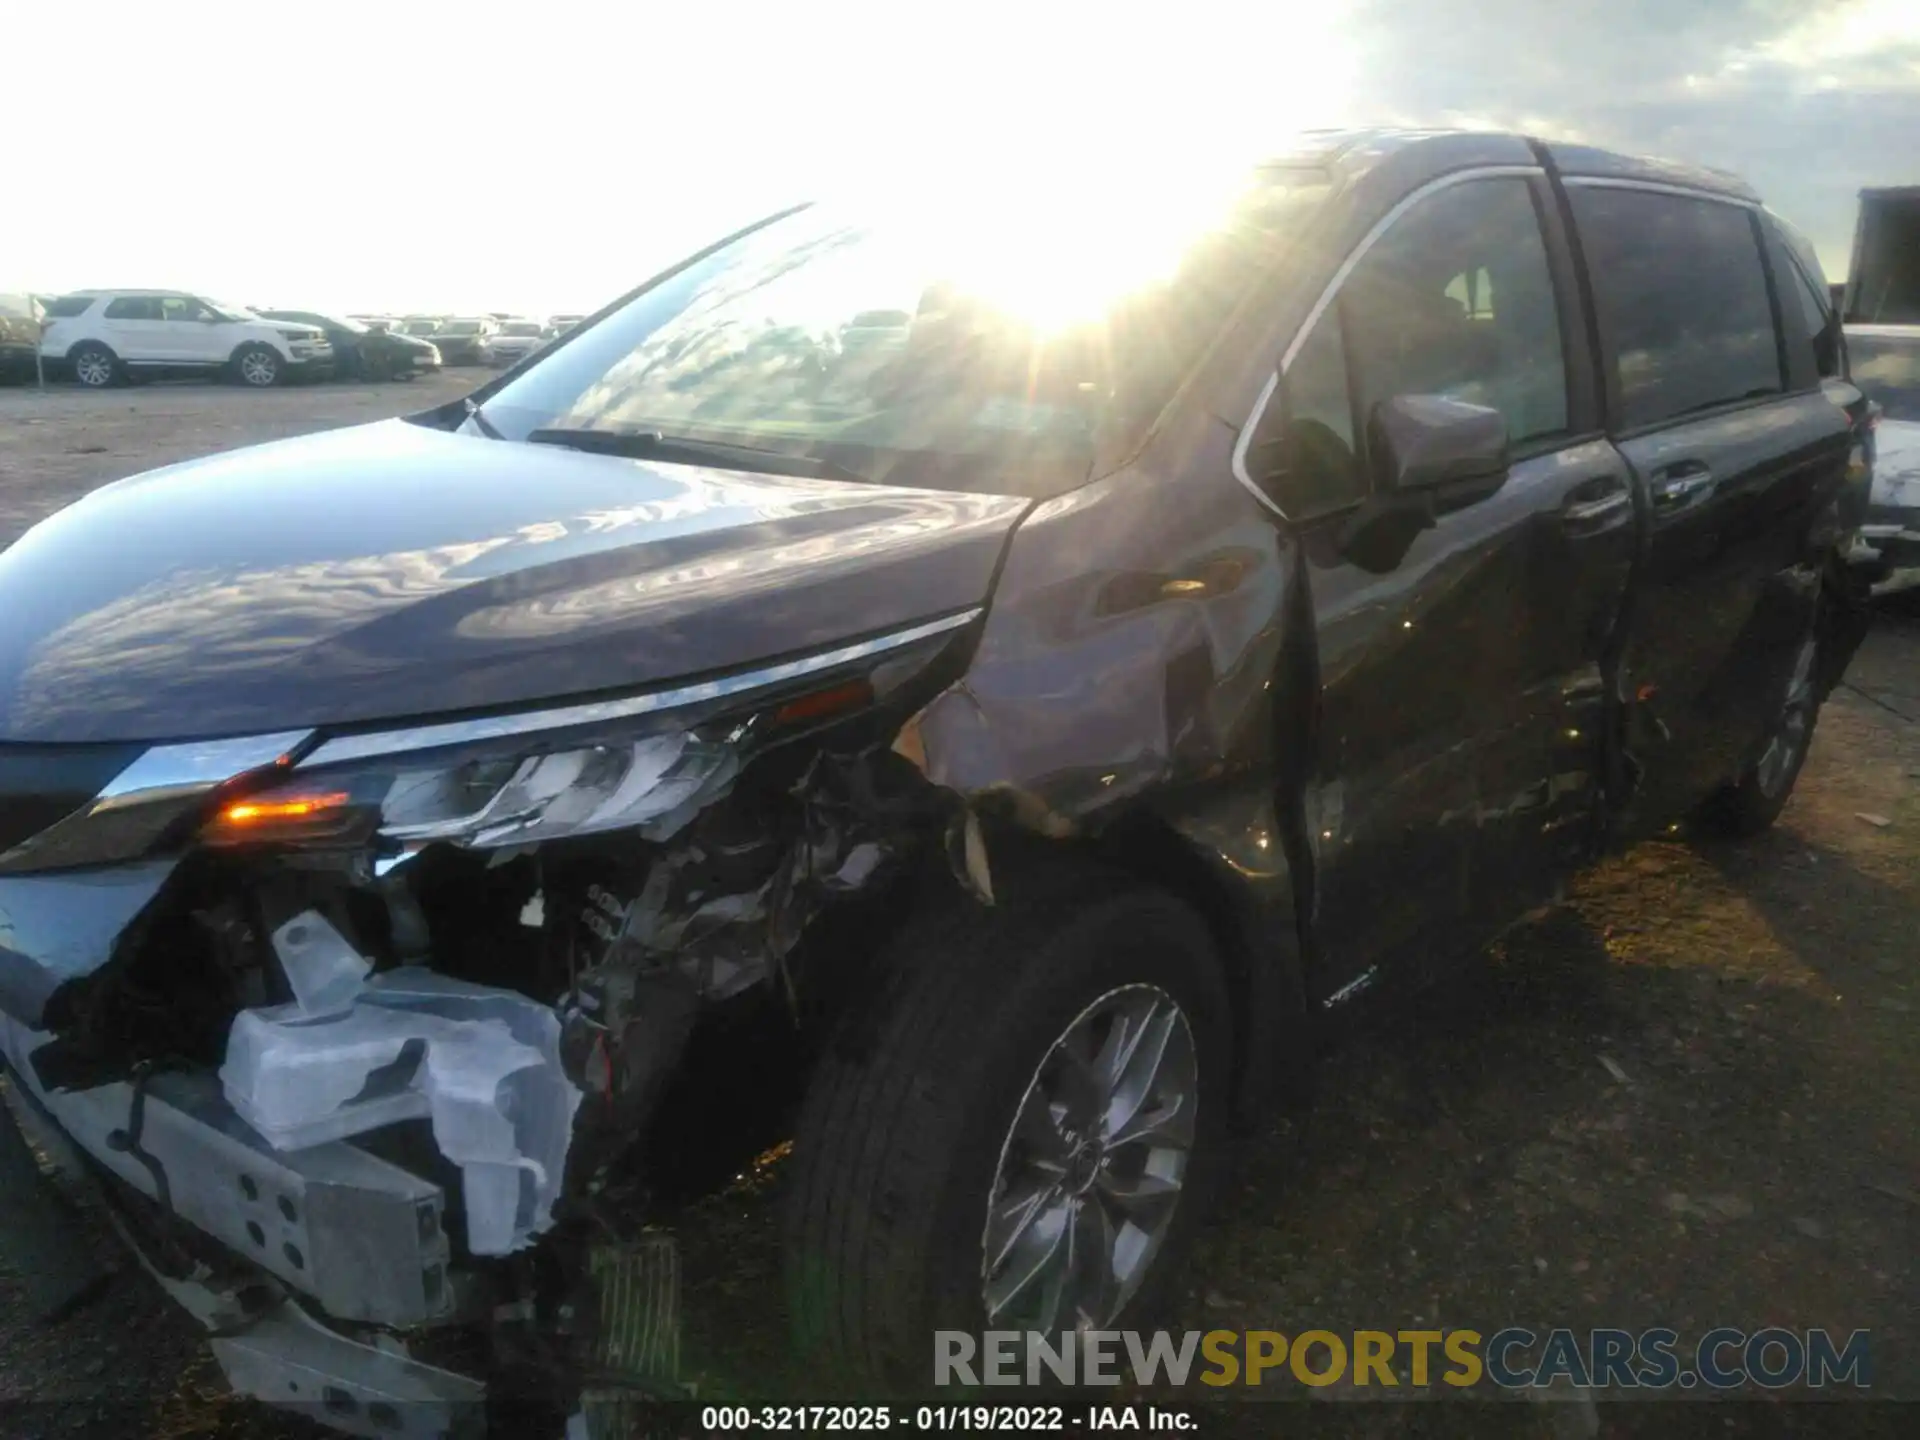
<point x="1431" y="456"/>
<point x="1431" y="443"/>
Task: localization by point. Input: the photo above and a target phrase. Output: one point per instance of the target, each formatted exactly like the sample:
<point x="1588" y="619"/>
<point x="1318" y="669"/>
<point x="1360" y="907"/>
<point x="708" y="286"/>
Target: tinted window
<point x="1456" y="299"/>
<point x="134" y="307"/>
<point x="69" y="305"/>
<point x="1681" y="286"/>
<point x="1822" y="324"/>
<point x="1797" y="269"/>
<point x="1887" y="368"/>
<point x="1306" y="436"/>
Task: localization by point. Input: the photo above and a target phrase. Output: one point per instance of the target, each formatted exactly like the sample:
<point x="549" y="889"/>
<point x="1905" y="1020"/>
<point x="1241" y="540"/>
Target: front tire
<point x="1021" y="1130"/>
<point x="257" y="366"/>
<point x="94" y="365"/>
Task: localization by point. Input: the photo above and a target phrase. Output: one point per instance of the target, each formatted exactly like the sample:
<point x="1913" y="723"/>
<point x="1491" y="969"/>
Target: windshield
<point x="940" y="349"/>
<point x="1888" y="369"/>
<point x="229" y="312"/>
<point x="460" y="327"/>
<point x="519" y="327"/>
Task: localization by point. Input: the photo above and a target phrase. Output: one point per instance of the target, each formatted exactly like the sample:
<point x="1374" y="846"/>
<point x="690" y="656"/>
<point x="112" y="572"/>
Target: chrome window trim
<point x="1359" y="252"/>
<point x="494" y="727"/>
<point x="1659" y="187"/>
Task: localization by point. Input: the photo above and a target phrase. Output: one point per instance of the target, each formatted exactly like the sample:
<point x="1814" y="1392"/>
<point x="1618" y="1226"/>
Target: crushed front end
<point x="365" y="1037"/>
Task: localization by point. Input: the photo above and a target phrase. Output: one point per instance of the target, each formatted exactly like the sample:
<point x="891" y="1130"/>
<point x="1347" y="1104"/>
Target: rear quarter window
<point x="1682" y="292"/>
<point x="67" y="306"/>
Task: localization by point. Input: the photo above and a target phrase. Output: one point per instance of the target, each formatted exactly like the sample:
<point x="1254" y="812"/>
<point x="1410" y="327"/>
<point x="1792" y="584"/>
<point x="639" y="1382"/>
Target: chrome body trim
<point x="167" y="772"/>
<point x="367" y="746"/>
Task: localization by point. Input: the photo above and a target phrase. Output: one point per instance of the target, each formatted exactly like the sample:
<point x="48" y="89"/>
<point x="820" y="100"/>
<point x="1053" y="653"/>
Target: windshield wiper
<point x="652" y="445"/>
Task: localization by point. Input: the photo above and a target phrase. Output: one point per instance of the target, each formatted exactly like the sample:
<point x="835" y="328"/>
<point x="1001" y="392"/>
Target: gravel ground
<point x="1687" y="1097"/>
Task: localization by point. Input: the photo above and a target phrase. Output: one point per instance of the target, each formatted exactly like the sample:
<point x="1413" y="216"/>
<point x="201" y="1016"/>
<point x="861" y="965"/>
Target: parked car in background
<point x="972" y="740"/>
<point x="1885" y="363"/>
<point x="516" y="339"/>
<point x="21" y="318"/>
<point x="420" y="325"/>
<point x="112" y="334"/>
<point x="561" y="324"/>
<point x="363" y="352"/>
<point x="467" y="341"/>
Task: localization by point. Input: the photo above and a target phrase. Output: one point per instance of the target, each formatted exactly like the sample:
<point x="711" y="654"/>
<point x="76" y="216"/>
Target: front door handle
<point x="1597" y="506"/>
<point x="1677" y="484"/>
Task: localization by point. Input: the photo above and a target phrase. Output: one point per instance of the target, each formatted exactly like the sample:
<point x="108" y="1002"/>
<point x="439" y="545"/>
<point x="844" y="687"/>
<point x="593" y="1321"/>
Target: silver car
<point x="1885" y="362"/>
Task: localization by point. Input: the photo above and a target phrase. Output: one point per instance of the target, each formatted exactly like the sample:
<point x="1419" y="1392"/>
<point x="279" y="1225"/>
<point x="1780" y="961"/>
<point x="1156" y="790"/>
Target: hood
<point x="390" y="571"/>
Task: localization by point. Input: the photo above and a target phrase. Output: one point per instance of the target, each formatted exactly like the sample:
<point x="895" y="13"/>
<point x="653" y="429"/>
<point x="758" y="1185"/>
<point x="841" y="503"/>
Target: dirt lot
<point x="1687" y="1098"/>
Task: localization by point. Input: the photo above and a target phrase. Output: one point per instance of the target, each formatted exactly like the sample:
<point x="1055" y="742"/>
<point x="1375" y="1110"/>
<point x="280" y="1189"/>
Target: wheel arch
<point x="256" y="343"/>
<point x="1256" y="934"/>
<point x="1251" y="923"/>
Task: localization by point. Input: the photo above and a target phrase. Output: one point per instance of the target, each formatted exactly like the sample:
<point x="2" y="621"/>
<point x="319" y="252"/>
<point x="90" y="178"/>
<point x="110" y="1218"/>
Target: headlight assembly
<point x="643" y="763"/>
<point x="651" y="785"/>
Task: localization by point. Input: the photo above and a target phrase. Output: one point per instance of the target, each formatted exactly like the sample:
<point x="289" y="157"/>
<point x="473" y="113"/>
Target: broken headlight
<point x="645" y="763"/>
<point x="490" y="798"/>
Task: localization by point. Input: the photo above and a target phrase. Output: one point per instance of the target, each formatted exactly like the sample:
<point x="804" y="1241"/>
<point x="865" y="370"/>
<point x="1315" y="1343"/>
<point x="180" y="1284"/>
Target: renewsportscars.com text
<point x="1514" y="1358"/>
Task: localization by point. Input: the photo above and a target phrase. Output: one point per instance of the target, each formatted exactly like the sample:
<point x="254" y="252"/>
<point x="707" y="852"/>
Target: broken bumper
<point x="358" y="1235"/>
<point x="62" y="927"/>
<point x="366" y="1234"/>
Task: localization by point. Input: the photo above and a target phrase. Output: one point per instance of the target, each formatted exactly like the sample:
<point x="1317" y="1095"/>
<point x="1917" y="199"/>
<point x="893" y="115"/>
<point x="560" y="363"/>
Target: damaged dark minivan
<point x="995" y="684"/>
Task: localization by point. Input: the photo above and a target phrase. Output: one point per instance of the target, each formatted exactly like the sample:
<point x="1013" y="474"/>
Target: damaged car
<point x="984" y="694"/>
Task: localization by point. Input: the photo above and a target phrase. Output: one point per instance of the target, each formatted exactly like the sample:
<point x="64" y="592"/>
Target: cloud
<point x="1809" y="103"/>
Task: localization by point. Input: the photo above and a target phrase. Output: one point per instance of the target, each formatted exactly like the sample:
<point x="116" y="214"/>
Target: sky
<point x="544" y="157"/>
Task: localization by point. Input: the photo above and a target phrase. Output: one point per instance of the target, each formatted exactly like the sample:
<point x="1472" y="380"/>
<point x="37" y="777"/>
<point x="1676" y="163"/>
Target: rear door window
<point x="134" y="307"/>
<point x="1682" y="291"/>
<point x="183" y="307"/>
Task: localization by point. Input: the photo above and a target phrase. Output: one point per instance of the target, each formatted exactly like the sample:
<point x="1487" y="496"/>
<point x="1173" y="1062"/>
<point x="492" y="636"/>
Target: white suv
<point x="104" y="335"/>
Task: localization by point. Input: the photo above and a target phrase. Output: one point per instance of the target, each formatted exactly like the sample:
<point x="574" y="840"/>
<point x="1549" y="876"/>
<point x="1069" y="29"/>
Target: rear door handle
<point x="1674" y="485"/>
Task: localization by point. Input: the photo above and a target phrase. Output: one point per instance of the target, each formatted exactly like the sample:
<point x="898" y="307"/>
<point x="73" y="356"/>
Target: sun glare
<point x="1058" y="252"/>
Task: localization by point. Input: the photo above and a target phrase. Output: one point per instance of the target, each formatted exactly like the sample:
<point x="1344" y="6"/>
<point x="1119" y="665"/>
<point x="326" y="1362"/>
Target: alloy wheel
<point x="1090" y="1173"/>
<point x="93" y="369"/>
<point x="1795" y="724"/>
<point x="257" y="367"/>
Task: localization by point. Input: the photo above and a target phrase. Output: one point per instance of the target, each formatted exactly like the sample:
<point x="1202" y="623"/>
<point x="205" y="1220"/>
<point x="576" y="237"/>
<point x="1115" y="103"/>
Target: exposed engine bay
<point x="418" y="1085"/>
